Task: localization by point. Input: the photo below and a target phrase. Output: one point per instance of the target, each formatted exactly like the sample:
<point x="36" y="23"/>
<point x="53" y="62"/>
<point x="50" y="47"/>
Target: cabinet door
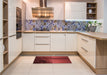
<point x="12" y="17"/>
<point x="58" y="42"/>
<point x="28" y="42"/>
<point x="12" y="48"/>
<point x="1" y="55"/>
<point x="75" y="10"/>
<point x="71" y="42"/>
<point x="1" y="10"/>
<point x="19" y="45"/>
<point x="92" y="52"/>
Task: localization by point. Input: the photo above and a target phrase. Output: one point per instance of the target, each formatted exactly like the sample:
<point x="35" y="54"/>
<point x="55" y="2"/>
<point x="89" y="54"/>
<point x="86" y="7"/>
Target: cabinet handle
<point x="85" y="40"/>
<point x="42" y="44"/>
<point x="12" y="35"/>
<point x="84" y="49"/>
<point x="42" y="36"/>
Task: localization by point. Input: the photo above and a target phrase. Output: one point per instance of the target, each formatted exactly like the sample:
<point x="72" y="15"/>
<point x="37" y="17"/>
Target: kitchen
<point x="31" y="30"/>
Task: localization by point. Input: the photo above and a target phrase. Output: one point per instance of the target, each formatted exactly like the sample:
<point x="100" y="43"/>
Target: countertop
<point x="96" y="35"/>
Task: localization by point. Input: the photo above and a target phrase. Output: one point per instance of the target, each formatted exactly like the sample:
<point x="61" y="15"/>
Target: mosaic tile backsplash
<point x="48" y="25"/>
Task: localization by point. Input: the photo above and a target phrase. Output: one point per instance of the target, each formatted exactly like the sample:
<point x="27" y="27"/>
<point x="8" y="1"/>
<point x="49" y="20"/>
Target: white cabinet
<point x="19" y="45"/>
<point x="75" y="10"/>
<point x="87" y="48"/>
<point x="28" y="42"/>
<point x="92" y="52"/>
<point x="1" y="55"/>
<point x="12" y="17"/>
<point x="58" y="41"/>
<point x="12" y="48"/>
<point x="49" y="42"/>
<point x="1" y="61"/>
<point x="1" y="16"/>
<point x="42" y="42"/>
<point x="71" y="42"/>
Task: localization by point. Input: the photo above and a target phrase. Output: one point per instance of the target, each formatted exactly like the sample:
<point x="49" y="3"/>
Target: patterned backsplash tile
<point x="48" y="25"/>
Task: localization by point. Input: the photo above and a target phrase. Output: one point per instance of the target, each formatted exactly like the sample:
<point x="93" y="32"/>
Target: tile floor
<point x="23" y="66"/>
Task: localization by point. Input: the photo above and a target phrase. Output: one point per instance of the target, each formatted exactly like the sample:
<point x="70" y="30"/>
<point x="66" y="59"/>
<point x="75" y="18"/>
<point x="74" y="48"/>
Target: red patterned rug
<point x="51" y="59"/>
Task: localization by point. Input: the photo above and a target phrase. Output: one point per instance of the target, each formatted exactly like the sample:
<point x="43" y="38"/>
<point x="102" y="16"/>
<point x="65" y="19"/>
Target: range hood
<point x="43" y="11"/>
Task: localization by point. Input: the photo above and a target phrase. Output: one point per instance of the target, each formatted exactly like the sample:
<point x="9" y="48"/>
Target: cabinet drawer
<point x="42" y="47"/>
<point x="84" y="39"/>
<point x="86" y="42"/>
<point x="84" y="51"/>
<point x="42" y="34"/>
<point x="42" y="40"/>
<point x="58" y="35"/>
<point x="87" y="48"/>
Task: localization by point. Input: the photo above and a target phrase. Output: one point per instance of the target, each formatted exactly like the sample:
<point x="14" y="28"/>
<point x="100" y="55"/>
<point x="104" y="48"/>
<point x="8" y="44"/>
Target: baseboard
<point x="91" y="67"/>
<point x="49" y="53"/>
<point x="10" y="64"/>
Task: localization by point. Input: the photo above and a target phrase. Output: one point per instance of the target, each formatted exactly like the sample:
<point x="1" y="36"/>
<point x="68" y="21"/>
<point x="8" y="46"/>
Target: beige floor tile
<point x="71" y="73"/>
<point x="41" y="73"/>
<point x="41" y="68"/>
<point x="26" y="59"/>
<point x="24" y="66"/>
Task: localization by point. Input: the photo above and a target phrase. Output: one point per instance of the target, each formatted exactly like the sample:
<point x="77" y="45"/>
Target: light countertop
<point x="96" y="35"/>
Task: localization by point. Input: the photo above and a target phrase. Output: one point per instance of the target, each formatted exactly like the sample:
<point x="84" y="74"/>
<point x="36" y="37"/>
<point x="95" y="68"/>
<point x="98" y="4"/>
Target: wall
<point x="23" y="15"/>
<point x="19" y="3"/>
<point x="57" y="4"/>
<point x="58" y="8"/>
<point x="100" y="9"/>
<point x="105" y="16"/>
<point x="100" y="13"/>
<point x="29" y="5"/>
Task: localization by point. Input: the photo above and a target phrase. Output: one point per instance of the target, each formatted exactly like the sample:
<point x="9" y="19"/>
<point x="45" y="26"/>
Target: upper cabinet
<point x="12" y="17"/>
<point x="91" y="10"/>
<point x="1" y="10"/>
<point x="75" y="10"/>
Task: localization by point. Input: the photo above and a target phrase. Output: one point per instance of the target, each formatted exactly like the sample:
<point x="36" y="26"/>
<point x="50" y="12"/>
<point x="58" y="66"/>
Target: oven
<point x="18" y="23"/>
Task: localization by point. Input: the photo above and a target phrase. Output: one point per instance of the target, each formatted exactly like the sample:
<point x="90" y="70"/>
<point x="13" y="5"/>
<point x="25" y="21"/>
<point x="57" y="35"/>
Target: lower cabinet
<point x="1" y="55"/>
<point x="49" y="42"/>
<point x="87" y="48"/>
<point x="12" y="48"/>
<point x="42" y="42"/>
<point x="28" y="42"/>
<point x="19" y="45"/>
<point x="58" y="41"/>
<point x="15" y="48"/>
